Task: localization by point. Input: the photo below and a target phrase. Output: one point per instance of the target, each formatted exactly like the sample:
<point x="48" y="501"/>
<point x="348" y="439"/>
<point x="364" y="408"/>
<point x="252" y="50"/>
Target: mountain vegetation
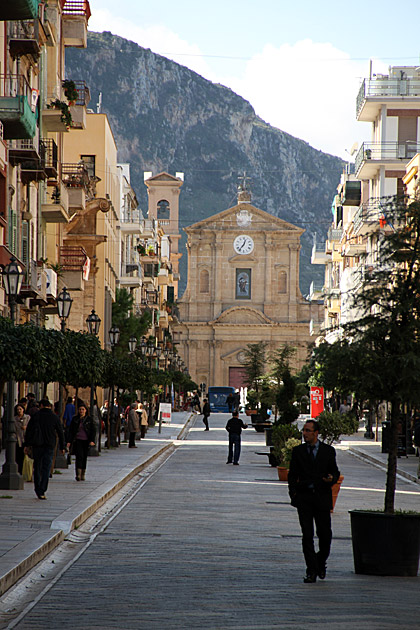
<point x="167" y="117"/>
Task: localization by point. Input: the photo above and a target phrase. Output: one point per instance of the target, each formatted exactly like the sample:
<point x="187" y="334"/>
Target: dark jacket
<point x="206" y="409"/>
<point x="306" y="475"/>
<point x="235" y="425"/>
<point x="50" y="427"/>
<point x="88" y="425"/>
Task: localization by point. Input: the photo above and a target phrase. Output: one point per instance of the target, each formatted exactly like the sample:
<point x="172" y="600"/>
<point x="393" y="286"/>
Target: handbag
<point x="27" y="469"/>
<point x="68" y="458"/>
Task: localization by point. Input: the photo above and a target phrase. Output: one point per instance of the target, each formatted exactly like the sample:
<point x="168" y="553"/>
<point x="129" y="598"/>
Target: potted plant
<point x="280" y="434"/>
<point x="286" y="456"/>
<point x="70" y="91"/>
<point x="65" y="112"/>
<point x="141" y="249"/>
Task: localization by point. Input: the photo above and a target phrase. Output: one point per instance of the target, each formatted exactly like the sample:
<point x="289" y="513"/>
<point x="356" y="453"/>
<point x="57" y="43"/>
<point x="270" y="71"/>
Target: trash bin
<point x="386" y="431"/>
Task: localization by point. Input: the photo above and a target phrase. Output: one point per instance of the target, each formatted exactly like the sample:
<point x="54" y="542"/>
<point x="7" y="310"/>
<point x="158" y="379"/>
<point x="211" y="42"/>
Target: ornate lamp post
<point x="10" y="479"/>
<point x="93" y="322"/>
<point x="64" y="302"/>
<point x="132" y="343"/>
<point x="114" y="337"/>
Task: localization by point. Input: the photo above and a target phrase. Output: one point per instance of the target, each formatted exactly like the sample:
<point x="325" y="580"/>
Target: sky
<point x="299" y="64"/>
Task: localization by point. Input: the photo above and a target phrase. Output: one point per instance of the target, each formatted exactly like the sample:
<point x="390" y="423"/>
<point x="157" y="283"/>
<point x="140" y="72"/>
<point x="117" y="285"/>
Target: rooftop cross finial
<point x="244" y="193"/>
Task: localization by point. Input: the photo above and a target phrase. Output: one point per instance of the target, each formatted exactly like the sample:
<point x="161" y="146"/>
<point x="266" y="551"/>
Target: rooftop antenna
<point x="99" y="104"/>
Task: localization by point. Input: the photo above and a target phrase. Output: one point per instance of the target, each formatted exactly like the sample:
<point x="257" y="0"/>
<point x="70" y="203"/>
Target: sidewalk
<point x="30" y="529"/>
<point x="370" y="451"/>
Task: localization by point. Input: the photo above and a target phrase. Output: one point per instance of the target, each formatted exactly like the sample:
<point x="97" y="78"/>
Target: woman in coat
<point x="82" y="433"/>
<point x="21" y="421"/>
<point x="142" y="413"/>
<point x="133" y="425"/>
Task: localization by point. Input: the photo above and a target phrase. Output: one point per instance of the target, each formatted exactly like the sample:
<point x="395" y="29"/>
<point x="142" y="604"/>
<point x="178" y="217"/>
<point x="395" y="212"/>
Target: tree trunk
<point x="391" y="475"/>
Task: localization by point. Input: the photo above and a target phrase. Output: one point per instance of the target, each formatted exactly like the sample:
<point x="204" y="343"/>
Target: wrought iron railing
<point x="50" y="154"/>
<point x="75" y="175"/>
<point x="83" y="93"/>
<point x="335" y="234"/>
<point x="15" y="85"/>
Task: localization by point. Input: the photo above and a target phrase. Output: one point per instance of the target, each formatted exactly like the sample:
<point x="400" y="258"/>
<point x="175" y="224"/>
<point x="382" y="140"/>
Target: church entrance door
<point x="237" y="377"/>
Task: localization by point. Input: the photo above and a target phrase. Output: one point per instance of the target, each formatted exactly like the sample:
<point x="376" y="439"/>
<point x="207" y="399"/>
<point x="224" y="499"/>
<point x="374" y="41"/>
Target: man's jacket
<point x="306" y="475"/>
<point x="43" y="429"/>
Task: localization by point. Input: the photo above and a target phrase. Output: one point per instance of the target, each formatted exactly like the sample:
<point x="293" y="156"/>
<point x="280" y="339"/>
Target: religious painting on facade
<point x="243" y="284"/>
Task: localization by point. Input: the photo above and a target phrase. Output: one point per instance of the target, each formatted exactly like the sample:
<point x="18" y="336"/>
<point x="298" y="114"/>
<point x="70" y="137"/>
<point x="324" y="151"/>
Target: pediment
<point x="163" y="177"/>
<point x="242" y="315"/>
<point x="261" y="220"/>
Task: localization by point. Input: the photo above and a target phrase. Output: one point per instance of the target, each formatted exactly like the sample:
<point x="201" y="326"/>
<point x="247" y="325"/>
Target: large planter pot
<point x="251" y="412"/>
<point x="385" y="544"/>
<point x="335" y="489"/>
<point x="283" y="473"/>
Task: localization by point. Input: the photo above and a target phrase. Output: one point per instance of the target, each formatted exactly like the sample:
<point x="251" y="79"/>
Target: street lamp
<point x="93" y="322"/>
<point x="10" y="479"/>
<point x="132" y="343"/>
<point x="64" y="302"/>
<point x="114" y="337"/>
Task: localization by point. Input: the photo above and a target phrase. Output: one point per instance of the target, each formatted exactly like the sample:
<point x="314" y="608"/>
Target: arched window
<point x="282" y="282"/>
<point x="163" y="210"/>
<point x="204" y="281"/>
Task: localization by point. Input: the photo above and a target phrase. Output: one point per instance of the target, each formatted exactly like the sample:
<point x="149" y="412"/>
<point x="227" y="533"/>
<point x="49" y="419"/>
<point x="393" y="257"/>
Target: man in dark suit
<point x="313" y="470"/>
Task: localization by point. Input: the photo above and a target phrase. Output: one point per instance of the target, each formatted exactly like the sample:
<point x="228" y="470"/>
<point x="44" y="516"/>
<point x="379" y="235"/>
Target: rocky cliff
<point x="166" y="117"/>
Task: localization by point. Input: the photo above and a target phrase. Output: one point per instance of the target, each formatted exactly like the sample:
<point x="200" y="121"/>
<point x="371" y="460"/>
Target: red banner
<point x="317" y="401"/>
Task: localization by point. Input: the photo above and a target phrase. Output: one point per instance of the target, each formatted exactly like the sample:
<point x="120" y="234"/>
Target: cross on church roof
<point x="244" y="193"/>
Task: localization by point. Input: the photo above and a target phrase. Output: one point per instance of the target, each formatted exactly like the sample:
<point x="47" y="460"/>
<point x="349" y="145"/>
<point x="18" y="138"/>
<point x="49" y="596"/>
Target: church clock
<point x="243" y="244"/>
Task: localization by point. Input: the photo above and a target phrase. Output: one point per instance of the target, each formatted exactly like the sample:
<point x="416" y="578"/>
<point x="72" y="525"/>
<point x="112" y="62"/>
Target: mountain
<point x="167" y="117"/>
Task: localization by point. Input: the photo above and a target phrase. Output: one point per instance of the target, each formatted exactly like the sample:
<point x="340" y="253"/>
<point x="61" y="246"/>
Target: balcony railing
<point x="73" y="258"/>
<point x="75" y="175"/>
<point x="83" y="93"/>
<point x="386" y="88"/>
<point x="16" y="103"/>
<point x="50" y="157"/>
<point x="335" y="234"/>
<point x="24" y="38"/>
<point x="77" y="8"/>
<point x="133" y="216"/>
<point x="386" y="151"/>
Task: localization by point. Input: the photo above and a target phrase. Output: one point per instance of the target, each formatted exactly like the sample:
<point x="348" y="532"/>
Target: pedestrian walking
<point x="230" y="401"/>
<point x="21" y="422"/>
<point x="234" y="428"/>
<point x="236" y="400"/>
<point x="206" y="414"/>
<point x="143" y="419"/>
<point x="133" y="425"/>
<point x="313" y="470"/>
<point x="41" y="434"/>
<point x="81" y="435"/>
<point x="196" y="403"/>
<point x="416" y="437"/>
<point x="69" y="411"/>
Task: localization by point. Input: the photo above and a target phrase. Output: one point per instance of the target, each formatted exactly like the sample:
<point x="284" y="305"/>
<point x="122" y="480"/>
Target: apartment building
<point x="391" y="103"/>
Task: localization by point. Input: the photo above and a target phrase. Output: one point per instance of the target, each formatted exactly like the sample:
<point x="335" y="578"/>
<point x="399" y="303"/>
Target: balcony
<point x="76" y="179"/>
<point x="373" y="93"/>
<point x="351" y="194"/>
<point x="3" y="149"/>
<point x="366" y="220"/>
<point x="78" y="108"/>
<point x="19" y="10"/>
<point x="163" y="277"/>
<point x="50" y="158"/>
<point x="316" y="291"/>
<point x="26" y="38"/>
<point x="75" y="264"/>
<point x="148" y="228"/>
<point x="394" y="155"/>
<point x="16" y="97"/>
<point x="130" y="221"/>
<point x="131" y="275"/>
<point x="319" y="255"/>
<point x="55" y="207"/>
<point x="163" y="319"/>
<point x="350" y="249"/>
<point x="34" y="285"/>
<point x="54" y="117"/>
<point x="30" y="155"/>
<point x="76" y="14"/>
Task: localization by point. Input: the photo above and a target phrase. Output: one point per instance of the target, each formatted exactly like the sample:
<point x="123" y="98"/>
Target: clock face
<point x="243" y="244"/>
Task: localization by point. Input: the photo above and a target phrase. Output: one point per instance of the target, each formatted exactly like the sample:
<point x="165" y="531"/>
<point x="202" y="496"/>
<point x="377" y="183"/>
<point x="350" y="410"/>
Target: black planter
<point x="269" y="437"/>
<point x="385" y="544"/>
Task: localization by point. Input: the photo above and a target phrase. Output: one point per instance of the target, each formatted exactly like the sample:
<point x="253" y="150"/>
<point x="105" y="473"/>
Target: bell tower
<point x="163" y="193"/>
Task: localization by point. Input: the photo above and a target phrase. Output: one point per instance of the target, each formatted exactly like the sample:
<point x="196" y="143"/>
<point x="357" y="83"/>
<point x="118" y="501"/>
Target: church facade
<point x="243" y="287"/>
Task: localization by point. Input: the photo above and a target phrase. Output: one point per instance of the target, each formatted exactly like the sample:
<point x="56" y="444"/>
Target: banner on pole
<point x="317" y="401"/>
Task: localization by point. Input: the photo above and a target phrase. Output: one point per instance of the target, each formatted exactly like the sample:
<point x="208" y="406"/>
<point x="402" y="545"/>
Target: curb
<point x="380" y="464"/>
<point x="38" y="546"/>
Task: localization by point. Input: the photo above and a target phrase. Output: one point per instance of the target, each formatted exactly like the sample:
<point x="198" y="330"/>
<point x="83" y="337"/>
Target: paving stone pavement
<point x="206" y="545"/>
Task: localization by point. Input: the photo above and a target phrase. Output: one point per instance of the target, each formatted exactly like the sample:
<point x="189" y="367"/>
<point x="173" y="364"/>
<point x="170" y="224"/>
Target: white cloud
<point x="309" y="90"/>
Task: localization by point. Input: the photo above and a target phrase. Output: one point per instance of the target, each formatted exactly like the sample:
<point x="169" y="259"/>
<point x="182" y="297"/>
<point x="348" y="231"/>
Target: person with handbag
<point x="21" y="422"/>
<point x="82" y="432"/>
